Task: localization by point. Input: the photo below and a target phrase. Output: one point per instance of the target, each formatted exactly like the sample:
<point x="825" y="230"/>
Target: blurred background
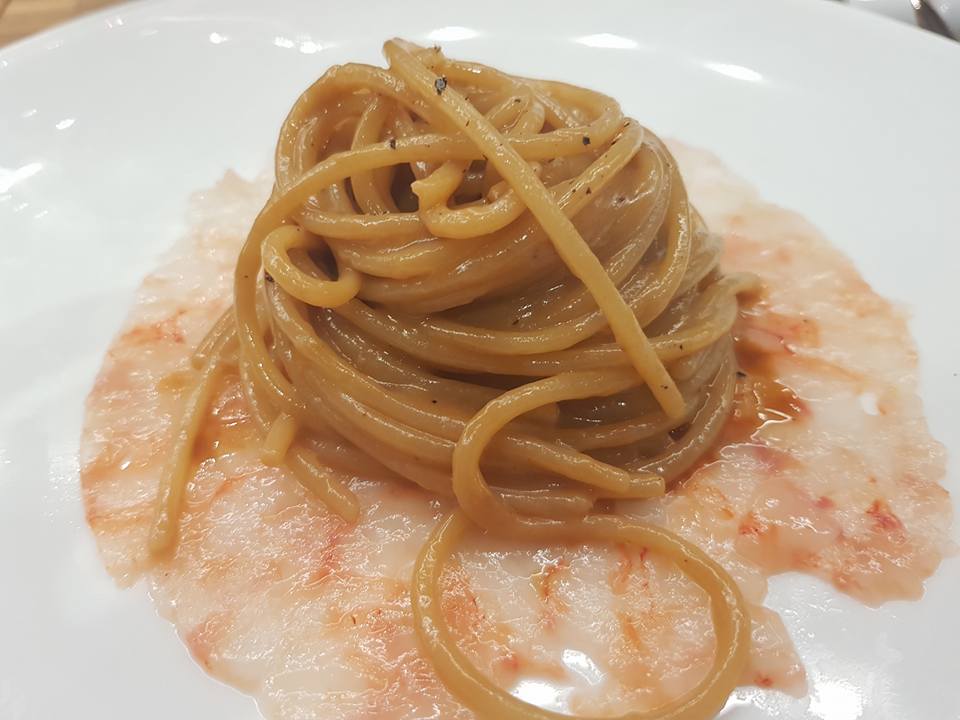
<point x="20" y="18"/>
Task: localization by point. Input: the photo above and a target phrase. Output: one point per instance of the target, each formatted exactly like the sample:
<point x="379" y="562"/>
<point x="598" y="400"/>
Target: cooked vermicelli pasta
<point x="495" y="288"/>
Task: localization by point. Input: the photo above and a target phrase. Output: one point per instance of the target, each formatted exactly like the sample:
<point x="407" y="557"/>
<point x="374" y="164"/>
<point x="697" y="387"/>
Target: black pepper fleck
<point x="741" y="374"/>
<point x="393" y="143"/>
<point x="434" y="402"/>
<point x="665" y="387"/>
<point x="267" y="277"/>
<point x="440" y="84"/>
<point x="586" y="139"/>
<point x="677" y="433"/>
<point x="516" y="321"/>
<point x="589" y="191"/>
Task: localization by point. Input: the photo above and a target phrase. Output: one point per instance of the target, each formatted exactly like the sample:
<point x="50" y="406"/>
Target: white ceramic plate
<point x="107" y="124"/>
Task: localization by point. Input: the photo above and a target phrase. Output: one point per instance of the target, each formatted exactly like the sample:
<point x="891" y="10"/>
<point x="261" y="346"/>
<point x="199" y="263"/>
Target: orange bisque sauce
<point x="761" y="397"/>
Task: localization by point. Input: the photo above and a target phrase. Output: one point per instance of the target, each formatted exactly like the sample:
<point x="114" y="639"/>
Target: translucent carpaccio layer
<point x="825" y="468"/>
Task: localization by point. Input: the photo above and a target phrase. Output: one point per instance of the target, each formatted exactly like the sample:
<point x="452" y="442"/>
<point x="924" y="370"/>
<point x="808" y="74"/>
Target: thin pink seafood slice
<point x="826" y="468"/>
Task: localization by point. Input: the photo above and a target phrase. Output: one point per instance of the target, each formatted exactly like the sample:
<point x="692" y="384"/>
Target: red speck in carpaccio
<point x="825" y="503"/>
<point x="883" y="518"/>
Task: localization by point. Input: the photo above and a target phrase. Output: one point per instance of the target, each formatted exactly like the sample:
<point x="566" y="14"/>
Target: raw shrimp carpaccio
<point x="825" y="467"/>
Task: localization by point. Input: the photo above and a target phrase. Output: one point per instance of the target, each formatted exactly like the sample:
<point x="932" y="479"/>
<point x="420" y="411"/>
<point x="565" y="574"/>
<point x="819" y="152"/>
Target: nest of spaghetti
<point x="495" y="288"/>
